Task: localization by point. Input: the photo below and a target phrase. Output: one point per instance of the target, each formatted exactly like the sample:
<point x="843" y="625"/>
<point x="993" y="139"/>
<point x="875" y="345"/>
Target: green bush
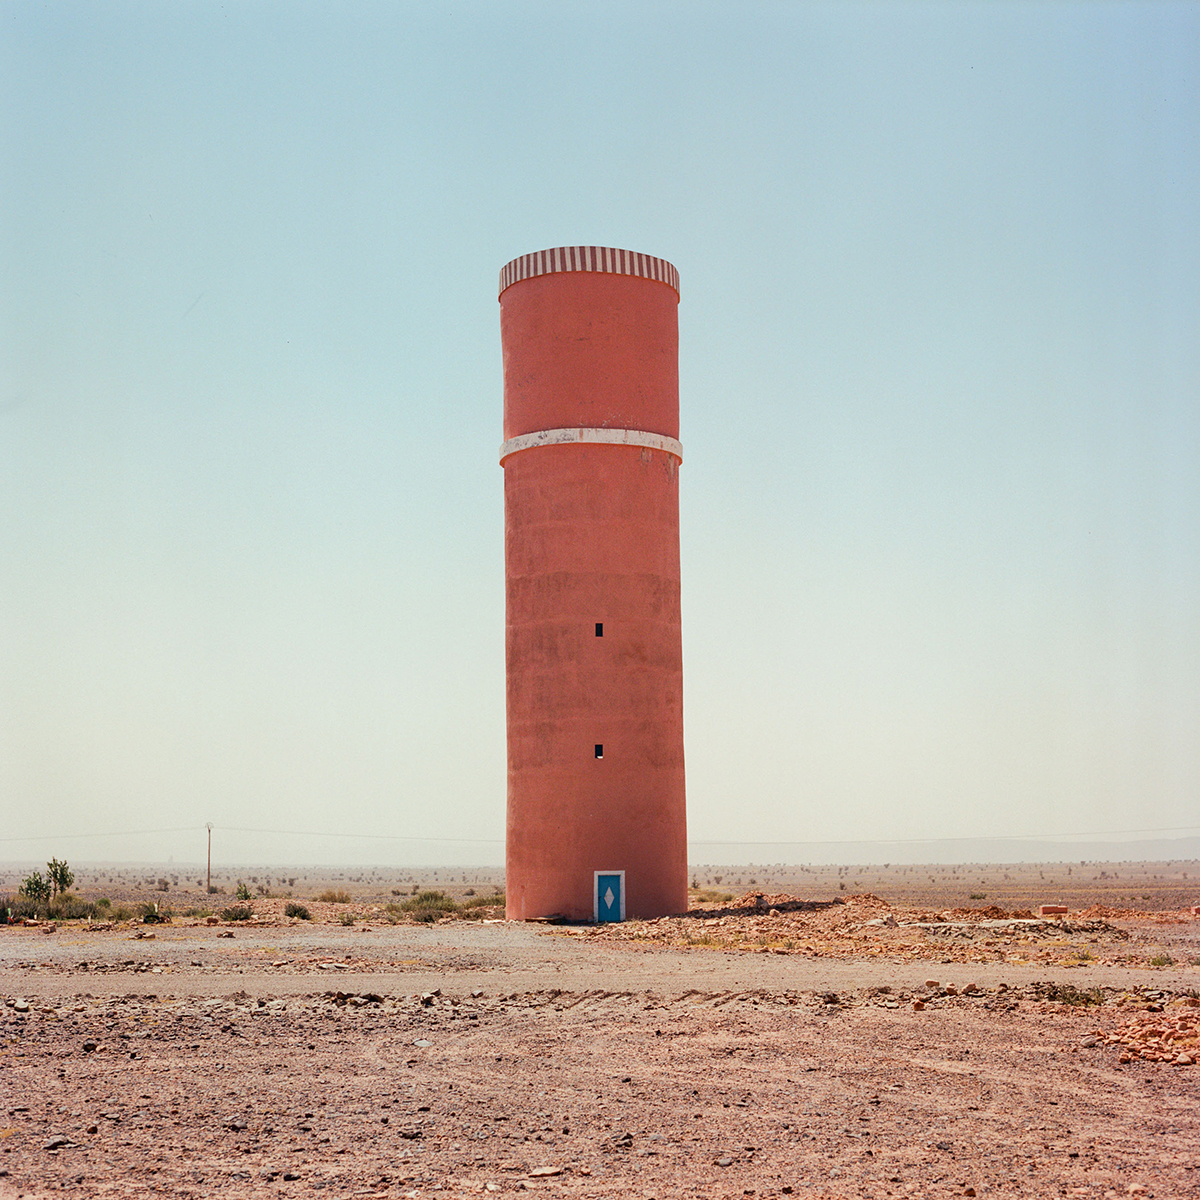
<point x="347" y="918"/>
<point x="20" y="907"/>
<point x="239" y="912"/>
<point x="1162" y="960"/>
<point x="483" y="901"/>
<point x="297" y="910"/>
<point x="36" y="888"/>
<point x="329" y="896"/>
<point x="68" y="907"/>
<point x="243" y="892"/>
<point x="429" y="906"/>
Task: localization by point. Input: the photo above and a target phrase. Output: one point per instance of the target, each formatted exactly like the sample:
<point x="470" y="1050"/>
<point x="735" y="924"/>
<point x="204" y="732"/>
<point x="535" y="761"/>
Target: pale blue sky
<point x="940" y="363"/>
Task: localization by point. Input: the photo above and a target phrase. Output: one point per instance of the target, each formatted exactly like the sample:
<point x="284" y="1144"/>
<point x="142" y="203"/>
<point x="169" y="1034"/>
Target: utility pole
<point x="208" y="873"/>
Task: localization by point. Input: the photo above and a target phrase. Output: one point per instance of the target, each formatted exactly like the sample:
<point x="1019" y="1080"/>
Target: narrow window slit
<point x="599" y="628"/>
<point x="599" y="750"/>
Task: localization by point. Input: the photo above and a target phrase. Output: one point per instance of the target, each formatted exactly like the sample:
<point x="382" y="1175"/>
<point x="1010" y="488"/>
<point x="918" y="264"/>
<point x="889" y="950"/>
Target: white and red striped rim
<point x="589" y="258"/>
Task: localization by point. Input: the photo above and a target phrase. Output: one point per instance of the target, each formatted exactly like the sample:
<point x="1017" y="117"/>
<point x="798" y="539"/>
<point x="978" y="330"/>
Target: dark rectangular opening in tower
<point x="599" y="750"/>
<point x="599" y="628"/>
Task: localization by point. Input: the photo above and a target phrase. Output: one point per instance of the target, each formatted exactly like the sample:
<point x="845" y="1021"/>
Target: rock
<point x="918" y="1005"/>
<point x="544" y="1172"/>
<point x="423" y="1043"/>
<point x="970" y="989"/>
<point x="21" y="1005"/>
<point x="89" y="1046"/>
<point x="290" y="1176"/>
<point x="226" y="933"/>
<point x="57" y="1141"/>
<point x="476" y="993"/>
<point x="1185" y="1060"/>
<point x="725" y="1161"/>
<point x="932" y="984"/>
<point x="951" y="990"/>
<point x="1090" y="1042"/>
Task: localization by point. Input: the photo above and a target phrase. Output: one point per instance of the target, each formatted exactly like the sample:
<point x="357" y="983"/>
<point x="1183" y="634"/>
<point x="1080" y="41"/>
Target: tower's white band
<point x="602" y="437"/>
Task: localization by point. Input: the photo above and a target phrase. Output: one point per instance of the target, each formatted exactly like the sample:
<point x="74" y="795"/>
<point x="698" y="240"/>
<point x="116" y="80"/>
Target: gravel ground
<point x="470" y="1059"/>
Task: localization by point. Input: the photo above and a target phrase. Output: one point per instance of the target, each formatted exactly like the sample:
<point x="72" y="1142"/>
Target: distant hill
<point x="946" y="850"/>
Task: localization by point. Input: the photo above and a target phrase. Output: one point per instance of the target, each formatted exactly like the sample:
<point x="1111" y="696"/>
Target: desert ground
<point x="785" y="1037"/>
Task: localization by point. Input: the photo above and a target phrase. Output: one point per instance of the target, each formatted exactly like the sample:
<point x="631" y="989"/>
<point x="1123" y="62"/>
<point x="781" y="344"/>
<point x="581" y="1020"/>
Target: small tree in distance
<point x="60" y="876"/>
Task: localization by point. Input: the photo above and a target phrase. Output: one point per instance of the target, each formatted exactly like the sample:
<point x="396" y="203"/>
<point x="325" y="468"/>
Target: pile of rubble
<point x="864" y="924"/>
<point x="1167" y="1037"/>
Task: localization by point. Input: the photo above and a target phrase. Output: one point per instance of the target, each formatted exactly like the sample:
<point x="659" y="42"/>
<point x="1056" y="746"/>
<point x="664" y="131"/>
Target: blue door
<point x="610" y="899"/>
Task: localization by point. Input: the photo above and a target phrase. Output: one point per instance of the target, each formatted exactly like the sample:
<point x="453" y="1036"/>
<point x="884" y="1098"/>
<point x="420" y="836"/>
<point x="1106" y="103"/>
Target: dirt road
<point x="301" y="1060"/>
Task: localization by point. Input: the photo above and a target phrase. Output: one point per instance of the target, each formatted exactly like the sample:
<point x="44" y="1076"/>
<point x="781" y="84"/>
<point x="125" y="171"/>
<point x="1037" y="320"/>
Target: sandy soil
<point x="659" y="1059"/>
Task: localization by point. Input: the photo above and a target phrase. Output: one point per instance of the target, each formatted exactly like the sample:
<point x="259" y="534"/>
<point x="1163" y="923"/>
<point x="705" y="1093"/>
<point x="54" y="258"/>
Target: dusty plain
<point x="898" y="1037"/>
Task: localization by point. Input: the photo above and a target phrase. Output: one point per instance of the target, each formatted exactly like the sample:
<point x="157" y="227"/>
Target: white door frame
<point x="596" y="893"/>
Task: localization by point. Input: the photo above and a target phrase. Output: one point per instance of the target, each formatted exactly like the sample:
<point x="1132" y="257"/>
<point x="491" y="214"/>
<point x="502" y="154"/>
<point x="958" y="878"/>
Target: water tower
<point x="596" y="813"/>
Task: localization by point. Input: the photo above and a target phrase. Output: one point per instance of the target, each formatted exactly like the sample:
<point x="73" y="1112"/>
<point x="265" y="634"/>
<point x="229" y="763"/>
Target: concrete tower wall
<point x="591" y="485"/>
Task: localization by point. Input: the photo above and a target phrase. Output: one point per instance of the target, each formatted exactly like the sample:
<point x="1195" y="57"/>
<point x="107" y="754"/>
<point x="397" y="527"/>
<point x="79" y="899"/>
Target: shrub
<point x="329" y="896"/>
<point x="429" y="906"/>
<point x="71" y="908"/>
<point x="979" y="895"/>
<point x="1066" y="993"/>
<point x="1162" y="960"/>
<point x="104" y="902"/>
<point x="347" y="918"/>
<point x="297" y="910"/>
<point x="243" y="892"/>
<point x="238" y="912"/>
<point x="35" y="888"/>
<point x="20" y="907"/>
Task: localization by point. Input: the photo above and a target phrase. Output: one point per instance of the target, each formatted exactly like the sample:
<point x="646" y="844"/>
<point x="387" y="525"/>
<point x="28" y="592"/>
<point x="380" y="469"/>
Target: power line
<point x="400" y="837"/>
<point x="387" y="837"/>
<point x="58" y="837"/>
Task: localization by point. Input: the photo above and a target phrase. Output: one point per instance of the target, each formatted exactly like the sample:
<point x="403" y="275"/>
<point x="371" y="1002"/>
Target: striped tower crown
<point x="589" y="258"/>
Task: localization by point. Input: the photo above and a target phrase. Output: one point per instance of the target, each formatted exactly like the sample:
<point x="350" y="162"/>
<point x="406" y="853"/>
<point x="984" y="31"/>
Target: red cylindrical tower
<point x="596" y="817"/>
